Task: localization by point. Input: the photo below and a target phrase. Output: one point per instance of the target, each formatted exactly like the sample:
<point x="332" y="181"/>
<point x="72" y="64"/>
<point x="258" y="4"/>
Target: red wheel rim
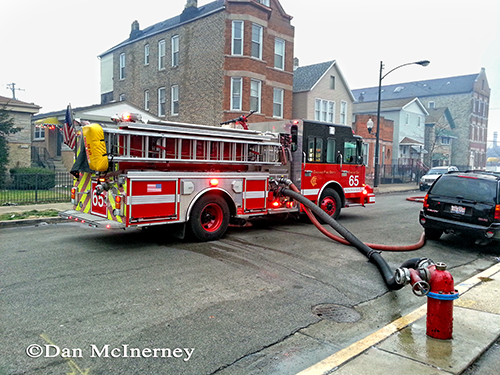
<point x="328" y="205"/>
<point x="211" y="217"/>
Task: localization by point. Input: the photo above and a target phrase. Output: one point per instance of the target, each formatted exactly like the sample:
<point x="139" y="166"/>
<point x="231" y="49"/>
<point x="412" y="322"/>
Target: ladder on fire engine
<point x="162" y="141"/>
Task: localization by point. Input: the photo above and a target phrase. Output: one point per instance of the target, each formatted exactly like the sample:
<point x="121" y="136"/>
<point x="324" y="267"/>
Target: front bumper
<point x="450" y="226"/>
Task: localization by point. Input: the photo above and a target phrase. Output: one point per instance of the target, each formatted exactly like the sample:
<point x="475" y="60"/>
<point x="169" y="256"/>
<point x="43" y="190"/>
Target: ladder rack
<point x="165" y="142"/>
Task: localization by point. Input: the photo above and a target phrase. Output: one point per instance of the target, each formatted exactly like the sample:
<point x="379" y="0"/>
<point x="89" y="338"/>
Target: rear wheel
<point x="330" y="203"/>
<point x="433" y="234"/>
<point x="209" y="218"/>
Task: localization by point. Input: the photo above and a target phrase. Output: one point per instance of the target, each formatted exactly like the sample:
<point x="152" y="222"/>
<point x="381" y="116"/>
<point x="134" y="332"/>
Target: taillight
<point x="497" y="212"/>
<point x="118" y="202"/>
<point x="426" y="205"/>
<point x="73" y="192"/>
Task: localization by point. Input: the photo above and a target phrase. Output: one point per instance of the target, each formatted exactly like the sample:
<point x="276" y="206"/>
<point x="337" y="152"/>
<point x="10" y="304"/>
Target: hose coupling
<point x="402" y="276"/>
<point x="285" y="181"/>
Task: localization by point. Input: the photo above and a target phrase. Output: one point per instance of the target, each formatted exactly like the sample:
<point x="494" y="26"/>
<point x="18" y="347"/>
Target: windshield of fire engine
<point x="351" y="152"/>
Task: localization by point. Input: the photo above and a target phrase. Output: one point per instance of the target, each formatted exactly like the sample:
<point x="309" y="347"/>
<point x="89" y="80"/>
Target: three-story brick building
<point x="208" y="64"/>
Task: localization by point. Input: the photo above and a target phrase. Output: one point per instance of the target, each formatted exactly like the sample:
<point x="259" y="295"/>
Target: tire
<point x="330" y="203"/>
<point x="433" y="234"/>
<point x="209" y="218"/>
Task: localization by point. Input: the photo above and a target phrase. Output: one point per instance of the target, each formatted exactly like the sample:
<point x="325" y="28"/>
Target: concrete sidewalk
<point x="404" y="346"/>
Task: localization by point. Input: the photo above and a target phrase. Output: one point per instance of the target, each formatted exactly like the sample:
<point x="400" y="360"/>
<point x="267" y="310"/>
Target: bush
<point x="32" y="178"/>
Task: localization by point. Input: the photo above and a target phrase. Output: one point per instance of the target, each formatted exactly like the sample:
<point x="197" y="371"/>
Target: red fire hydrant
<point x="440" y="302"/>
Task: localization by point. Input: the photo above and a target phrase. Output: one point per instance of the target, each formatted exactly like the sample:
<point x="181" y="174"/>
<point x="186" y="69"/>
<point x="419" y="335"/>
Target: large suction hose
<point x="394" y="281"/>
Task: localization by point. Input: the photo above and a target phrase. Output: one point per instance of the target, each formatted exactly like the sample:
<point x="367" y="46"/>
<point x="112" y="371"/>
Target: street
<point x="141" y="302"/>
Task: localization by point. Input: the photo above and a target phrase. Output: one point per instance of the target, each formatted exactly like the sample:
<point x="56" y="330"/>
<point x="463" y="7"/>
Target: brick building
<point x="20" y="142"/>
<point x="208" y="64"/>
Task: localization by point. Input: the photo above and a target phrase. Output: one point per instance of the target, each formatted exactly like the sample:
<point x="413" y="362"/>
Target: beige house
<point x="321" y="93"/>
<point x="20" y="142"/>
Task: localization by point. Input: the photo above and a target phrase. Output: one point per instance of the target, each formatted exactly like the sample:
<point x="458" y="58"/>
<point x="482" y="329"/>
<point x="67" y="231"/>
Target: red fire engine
<point x="200" y="178"/>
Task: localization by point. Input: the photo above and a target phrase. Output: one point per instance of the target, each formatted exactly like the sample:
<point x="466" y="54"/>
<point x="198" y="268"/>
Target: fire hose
<point x="394" y="281"/>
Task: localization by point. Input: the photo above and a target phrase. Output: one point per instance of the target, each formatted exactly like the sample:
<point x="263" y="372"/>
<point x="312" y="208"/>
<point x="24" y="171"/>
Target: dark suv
<point x="465" y="203"/>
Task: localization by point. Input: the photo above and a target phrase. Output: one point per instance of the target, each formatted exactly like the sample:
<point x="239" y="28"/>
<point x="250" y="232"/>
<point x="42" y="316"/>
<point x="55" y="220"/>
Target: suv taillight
<point x="497" y="212"/>
<point x="426" y="205"/>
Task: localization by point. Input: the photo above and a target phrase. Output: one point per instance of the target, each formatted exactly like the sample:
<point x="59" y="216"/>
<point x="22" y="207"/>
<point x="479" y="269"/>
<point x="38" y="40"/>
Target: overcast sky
<point x="50" y="48"/>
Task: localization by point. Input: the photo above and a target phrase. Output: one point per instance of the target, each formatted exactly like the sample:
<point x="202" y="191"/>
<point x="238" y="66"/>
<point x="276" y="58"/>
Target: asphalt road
<point x="142" y="302"/>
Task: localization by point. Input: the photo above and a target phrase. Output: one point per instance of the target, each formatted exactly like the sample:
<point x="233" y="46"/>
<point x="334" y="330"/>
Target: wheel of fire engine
<point x="330" y="203"/>
<point x="433" y="234"/>
<point x="209" y="218"/>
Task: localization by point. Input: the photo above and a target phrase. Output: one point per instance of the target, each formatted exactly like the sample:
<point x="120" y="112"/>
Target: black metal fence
<point x="36" y="188"/>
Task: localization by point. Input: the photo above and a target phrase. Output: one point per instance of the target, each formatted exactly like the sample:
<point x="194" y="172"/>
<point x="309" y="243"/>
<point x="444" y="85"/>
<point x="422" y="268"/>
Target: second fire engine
<point x="200" y="178"/>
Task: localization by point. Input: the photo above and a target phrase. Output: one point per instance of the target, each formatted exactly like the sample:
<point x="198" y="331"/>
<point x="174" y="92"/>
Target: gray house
<point x="409" y="127"/>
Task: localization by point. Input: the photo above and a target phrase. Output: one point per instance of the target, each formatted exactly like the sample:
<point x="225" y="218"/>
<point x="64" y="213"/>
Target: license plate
<point x="457" y="210"/>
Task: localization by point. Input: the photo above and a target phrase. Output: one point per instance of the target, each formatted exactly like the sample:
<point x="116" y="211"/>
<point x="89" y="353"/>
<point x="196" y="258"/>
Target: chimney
<point x="190" y="10"/>
<point x="135" y="31"/>
<point x="295" y="63"/>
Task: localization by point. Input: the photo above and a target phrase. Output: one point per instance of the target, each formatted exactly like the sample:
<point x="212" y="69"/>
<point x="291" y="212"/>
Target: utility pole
<point x="12" y="87"/>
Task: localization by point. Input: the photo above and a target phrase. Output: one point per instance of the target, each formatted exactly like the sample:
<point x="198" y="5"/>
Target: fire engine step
<point x="91" y="220"/>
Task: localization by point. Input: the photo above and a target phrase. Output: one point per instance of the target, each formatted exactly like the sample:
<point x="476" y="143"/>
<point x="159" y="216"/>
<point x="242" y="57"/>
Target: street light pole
<point x="377" y="134"/>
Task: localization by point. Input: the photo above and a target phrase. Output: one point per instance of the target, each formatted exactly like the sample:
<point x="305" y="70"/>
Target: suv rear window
<point x="477" y="190"/>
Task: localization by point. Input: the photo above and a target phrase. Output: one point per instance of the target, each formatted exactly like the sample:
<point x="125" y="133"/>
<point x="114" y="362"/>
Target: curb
<point x="31" y="222"/>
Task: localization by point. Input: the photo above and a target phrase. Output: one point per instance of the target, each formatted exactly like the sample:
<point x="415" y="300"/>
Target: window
<point x="365" y="152"/>
<point x="350" y="151"/>
<point x="315" y="149"/>
<point x="278" y="103"/>
<point x="146" y="100"/>
<point x="279" y="53"/>
<point x="343" y="112"/>
<point x="332" y="82"/>
<point x="175" y="50"/>
<point x="445" y="140"/>
<point x="161" y="102"/>
<point x="237" y="41"/>
<point x="236" y="93"/>
<point x="431" y="104"/>
<point x="122" y="97"/>
<point x="174" y="100"/>
<point x="122" y="66"/>
<point x="39" y="133"/>
<point x="266" y="3"/>
<point x="257" y="41"/>
<point x="255" y="92"/>
<point x="146" y="54"/>
<point x="161" y="54"/>
<point x="330" y="150"/>
<point x="324" y="110"/>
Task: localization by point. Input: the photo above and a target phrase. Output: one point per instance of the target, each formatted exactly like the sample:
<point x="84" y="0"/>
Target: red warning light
<point x="214" y="182"/>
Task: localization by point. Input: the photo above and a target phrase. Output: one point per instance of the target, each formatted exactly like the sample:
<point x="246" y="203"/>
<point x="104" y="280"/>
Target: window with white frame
<point x="257" y="31"/>
<point x="146" y="54"/>
<point x="279" y="53"/>
<point x="39" y="133"/>
<point x="122" y="98"/>
<point x="265" y="2"/>
<point x="175" y="50"/>
<point x="161" y="54"/>
<point x="324" y="110"/>
<point x="255" y="95"/>
<point x="236" y="86"/>
<point x="278" y="102"/>
<point x="343" y="112"/>
<point x="237" y="38"/>
<point x="366" y="151"/>
<point x="146" y="100"/>
<point x="161" y="102"/>
<point x="122" y="66"/>
<point x="174" y="105"/>
<point x="445" y="140"/>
